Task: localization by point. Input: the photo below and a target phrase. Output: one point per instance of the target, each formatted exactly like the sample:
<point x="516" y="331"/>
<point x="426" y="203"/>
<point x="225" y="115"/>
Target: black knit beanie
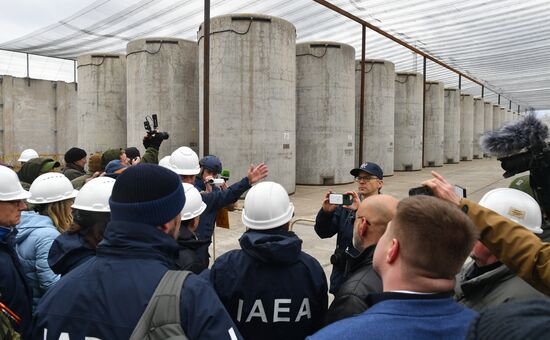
<point x="132" y="152"/>
<point x="518" y="320"/>
<point x="74" y="154"/>
<point x="148" y="194"/>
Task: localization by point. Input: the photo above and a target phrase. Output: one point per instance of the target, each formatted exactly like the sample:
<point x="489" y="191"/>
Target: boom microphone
<point x="511" y="138"/>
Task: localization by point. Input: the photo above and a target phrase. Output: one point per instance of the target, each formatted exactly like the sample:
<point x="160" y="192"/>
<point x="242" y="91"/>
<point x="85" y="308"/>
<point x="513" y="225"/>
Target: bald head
<point x="371" y="220"/>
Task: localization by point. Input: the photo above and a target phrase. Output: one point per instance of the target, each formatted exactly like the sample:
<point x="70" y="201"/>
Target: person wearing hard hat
<point x="515" y="246"/>
<point x="270" y="287"/>
<point x="27" y="155"/>
<point x="487" y="282"/>
<point x="106" y="296"/>
<point x="75" y="161"/>
<point x="338" y="220"/>
<point x="185" y="162"/>
<point x="52" y="196"/>
<point x="91" y="214"/>
<point x="14" y="290"/>
<point x="190" y="245"/>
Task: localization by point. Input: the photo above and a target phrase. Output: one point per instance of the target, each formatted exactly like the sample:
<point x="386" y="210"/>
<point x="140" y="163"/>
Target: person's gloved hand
<point x="153" y="141"/>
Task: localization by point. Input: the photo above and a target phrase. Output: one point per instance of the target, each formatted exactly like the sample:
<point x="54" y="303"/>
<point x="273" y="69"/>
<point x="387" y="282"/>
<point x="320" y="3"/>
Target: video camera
<point x="153" y="132"/>
<point x="520" y="147"/>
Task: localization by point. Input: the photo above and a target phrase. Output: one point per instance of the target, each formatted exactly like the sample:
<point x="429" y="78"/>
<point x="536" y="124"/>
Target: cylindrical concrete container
<point x="162" y="79"/>
<point x="379" y="106"/>
<point x="252" y="95"/>
<point x="466" y="127"/>
<point x="509" y="116"/>
<point x="488" y="119"/>
<point x="434" y="124"/>
<point x="408" y="121"/>
<point x="479" y="127"/>
<point x="101" y="102"/>
<point x="452" y="126"/>
<point x="496" y="117"/>
<point x="502" y="118"/>
<point x="325" y="113"/>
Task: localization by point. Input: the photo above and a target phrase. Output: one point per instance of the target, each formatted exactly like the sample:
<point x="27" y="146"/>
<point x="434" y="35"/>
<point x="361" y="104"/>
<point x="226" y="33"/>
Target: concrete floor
<point x="477" y="176"/>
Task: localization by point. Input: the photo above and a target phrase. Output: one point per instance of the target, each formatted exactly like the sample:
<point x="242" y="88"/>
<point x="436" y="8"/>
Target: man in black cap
<point x="105" y="297"/>
<point x="339" y="219"/>
<point x="75" y="160"/>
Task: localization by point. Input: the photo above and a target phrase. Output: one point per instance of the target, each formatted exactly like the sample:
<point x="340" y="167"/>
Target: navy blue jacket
<point x="16" y="294"/>
<point x="215" y="200"/>
<point x="271" y="289"/>
<point x="327" y="225"/>
<point x="68" y="251"/>
<point x="105" y="296"/>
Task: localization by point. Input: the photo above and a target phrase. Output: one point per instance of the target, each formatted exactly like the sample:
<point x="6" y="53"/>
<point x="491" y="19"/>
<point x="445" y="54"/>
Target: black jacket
<point x="360" y="281"/>
<point x="189" y="249"/>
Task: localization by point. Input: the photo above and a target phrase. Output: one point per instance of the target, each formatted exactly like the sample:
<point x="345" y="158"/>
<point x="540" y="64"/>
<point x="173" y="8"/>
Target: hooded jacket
<point x="15" y="293"/>
<point x="31" y="170"/>
<point x="340" y="223"/>
<point x="105" y="296"/>
<point x="68" y="251"/>
<point x="35" y="235"/>
<point x="518" y="248"/>
<point x="189" y="249"/>
<point x="360" y="281"/>
<point x="491" y="288"/>
<point x="271" y="289"/>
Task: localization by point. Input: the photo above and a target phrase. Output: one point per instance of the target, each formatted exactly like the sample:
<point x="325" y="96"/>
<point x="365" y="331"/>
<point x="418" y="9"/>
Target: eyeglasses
<point x="364" y="178"/>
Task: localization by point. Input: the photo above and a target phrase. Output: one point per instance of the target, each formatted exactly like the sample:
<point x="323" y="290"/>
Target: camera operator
<point x="515" y="246"/>
<point x="339" y="219"/>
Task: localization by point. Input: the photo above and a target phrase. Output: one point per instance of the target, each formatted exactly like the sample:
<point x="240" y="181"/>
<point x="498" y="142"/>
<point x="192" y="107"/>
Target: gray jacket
<point x="491" y="288"/>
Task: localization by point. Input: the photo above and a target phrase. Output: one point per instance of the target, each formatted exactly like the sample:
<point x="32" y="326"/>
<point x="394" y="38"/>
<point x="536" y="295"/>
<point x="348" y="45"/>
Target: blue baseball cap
<point x="370" y="168"/>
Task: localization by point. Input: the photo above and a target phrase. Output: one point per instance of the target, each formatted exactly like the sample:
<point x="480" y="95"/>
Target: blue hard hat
<point x="211" y="163"/>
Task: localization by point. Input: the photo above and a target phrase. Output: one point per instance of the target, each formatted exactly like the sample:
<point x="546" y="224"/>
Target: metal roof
<point x="503" y="44"/>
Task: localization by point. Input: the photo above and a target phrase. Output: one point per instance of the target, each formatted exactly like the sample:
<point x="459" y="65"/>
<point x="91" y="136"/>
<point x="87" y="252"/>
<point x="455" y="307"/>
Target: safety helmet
<point x="10" y="187"/>
<point x="165" y="162"/>
<point x="211" y="163"/>
<point x="267" y="206"/>
<point x="184" y="161"/>
<point x="516" y="206"/>
<point x="51" y="187"/>
<point x="27" y="155"/>
<point x="194" y="206"/>
<point x="94" y="195"/>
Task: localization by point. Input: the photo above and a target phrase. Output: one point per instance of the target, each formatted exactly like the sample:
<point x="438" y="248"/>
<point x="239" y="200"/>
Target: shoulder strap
<point x="161" y="318"/>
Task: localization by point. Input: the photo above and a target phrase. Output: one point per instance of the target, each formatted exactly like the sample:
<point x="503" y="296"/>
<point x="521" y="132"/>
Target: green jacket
<point x="31" y="170"/>
<point x="151" y="155"/>
<point x="518" y="248"/>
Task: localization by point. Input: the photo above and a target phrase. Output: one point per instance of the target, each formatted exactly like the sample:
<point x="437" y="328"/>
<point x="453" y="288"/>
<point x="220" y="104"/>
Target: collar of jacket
<point x="137" y="240"/>
<point x="487" y="279"/>
<point x="362" y="260"/>
<point x="74" y="167"/>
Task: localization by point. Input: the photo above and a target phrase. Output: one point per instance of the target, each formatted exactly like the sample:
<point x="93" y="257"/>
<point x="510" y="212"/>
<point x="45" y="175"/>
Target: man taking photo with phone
<point x="335" y="219"/>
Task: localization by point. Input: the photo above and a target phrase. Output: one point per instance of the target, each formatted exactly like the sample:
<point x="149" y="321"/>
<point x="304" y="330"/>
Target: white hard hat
<point x="516" y="206"/>
<point x="94" y="195"/>
<point x="194" y="206"/>
<point x="165" y="162"/>
<point x="184" y="161"/>
<point x="51" y="187"/>
<point x="267" y="206"/>
<point x="27" y="155"/>
<point x="10" y="187"/>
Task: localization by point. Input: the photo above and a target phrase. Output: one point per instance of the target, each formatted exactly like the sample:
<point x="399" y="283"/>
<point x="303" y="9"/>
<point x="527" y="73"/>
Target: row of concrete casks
<point x="295" y="107"/>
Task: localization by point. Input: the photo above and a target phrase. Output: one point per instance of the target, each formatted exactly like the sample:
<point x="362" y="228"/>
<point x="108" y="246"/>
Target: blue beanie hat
<point x="147" y="193"/>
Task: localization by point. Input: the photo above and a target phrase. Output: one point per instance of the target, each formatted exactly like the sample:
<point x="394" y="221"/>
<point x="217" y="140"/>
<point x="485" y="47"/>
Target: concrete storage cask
<point x="496" y="117"/>
<point x="163" y="79"/>
<point x="488" y="117"/>
<point x="452" y="125"/>
<point x="479" y="128"/>
<point x="408" y="121"/>
<point x="379" y="107"/>
<point x="325" y="112"/>
<point x="434" y="124"/>
<point x="101" y="102"/>
<point x="466" y="127"/>
<point x="252" y="94"/>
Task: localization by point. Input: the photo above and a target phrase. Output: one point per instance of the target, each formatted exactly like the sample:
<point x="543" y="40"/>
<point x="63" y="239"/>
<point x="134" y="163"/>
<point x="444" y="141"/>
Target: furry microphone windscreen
<point x="512" y="138"/>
